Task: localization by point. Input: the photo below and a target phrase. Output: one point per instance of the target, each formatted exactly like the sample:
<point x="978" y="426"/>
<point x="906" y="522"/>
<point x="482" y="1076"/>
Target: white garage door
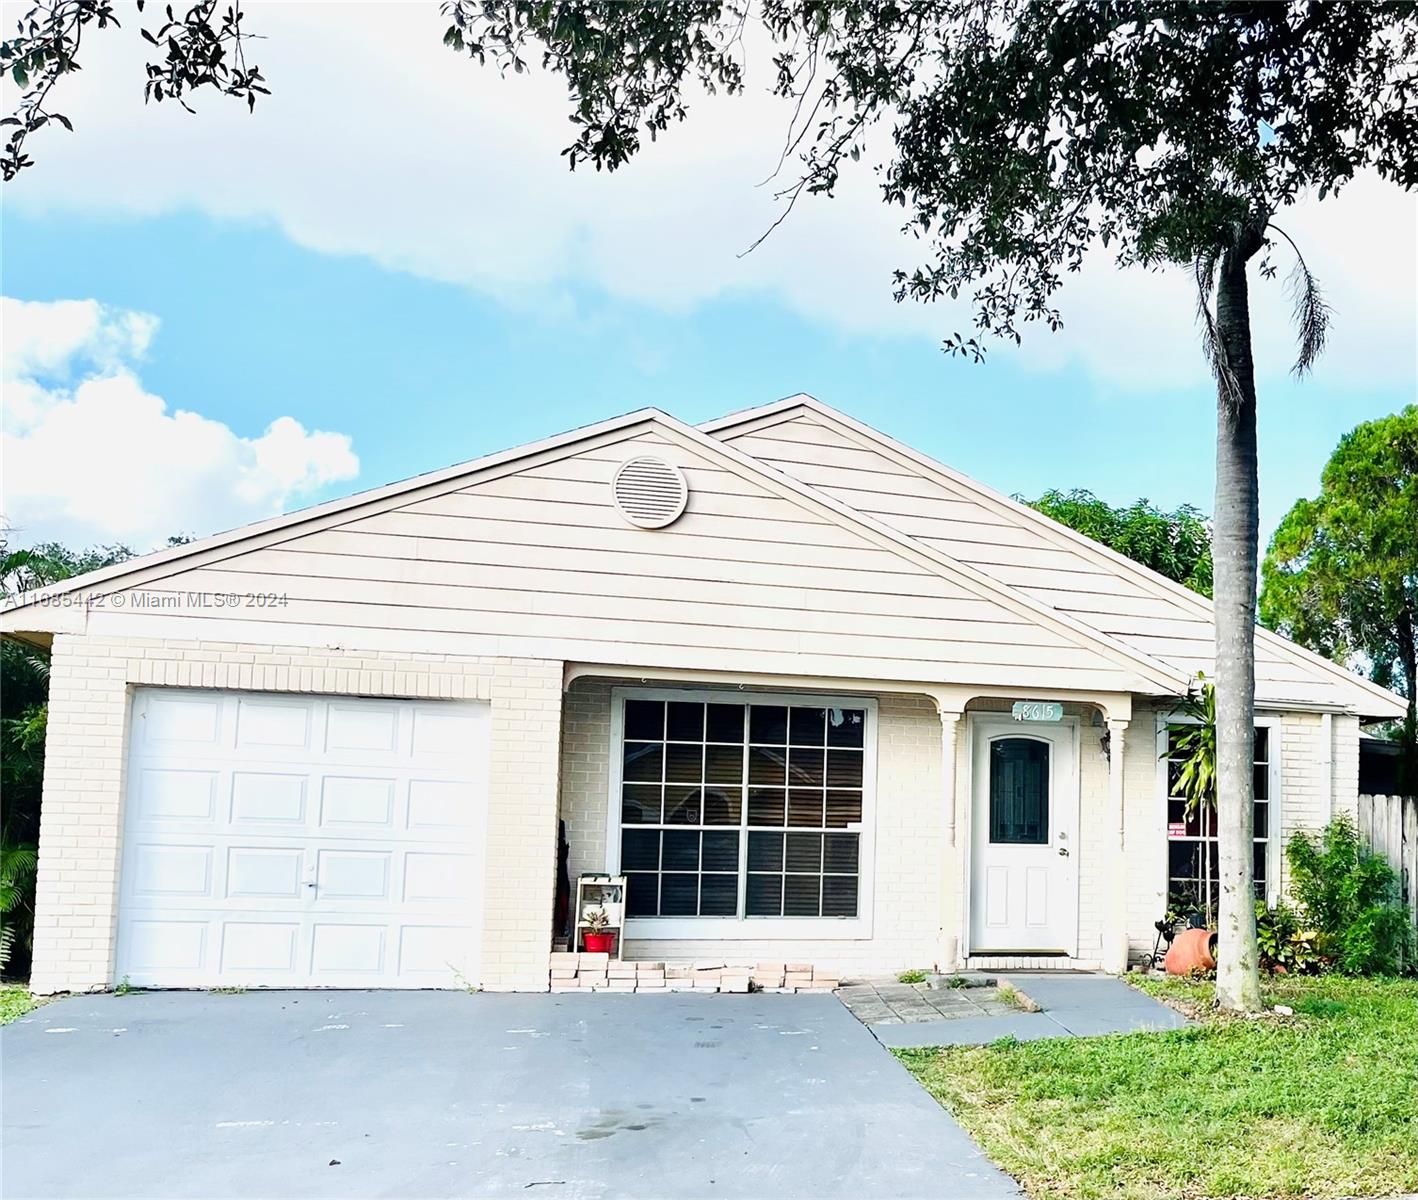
<point x="295" y="841"/>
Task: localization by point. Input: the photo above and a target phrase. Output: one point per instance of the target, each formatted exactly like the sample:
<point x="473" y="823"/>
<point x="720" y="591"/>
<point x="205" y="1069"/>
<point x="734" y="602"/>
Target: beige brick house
<point x="767" y="668"/>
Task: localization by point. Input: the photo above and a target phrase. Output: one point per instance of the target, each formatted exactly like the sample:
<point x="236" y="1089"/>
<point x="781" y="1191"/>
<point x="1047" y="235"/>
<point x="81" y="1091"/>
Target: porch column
<point x="952" y="881"/>
<point x="1115" y="933"/>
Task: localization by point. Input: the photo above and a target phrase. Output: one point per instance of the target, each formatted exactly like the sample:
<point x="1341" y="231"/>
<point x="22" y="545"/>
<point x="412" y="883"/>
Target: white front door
<point x="1024" y="841"/>
<point x="302" y="841"/>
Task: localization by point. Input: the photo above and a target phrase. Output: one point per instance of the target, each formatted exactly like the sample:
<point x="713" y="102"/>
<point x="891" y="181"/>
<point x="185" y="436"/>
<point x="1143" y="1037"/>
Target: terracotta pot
<point x="1192" y="950"/>
<point x="599" y="943"/>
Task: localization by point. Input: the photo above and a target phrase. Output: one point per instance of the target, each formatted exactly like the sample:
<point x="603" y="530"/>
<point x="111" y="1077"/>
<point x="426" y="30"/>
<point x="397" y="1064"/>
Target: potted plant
<point x="597" y="938"/>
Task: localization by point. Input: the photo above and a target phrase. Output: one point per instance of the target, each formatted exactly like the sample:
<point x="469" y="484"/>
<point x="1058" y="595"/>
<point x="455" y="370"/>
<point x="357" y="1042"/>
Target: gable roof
<point x="1146" y="672"/>
<point x="1030" y="551"/>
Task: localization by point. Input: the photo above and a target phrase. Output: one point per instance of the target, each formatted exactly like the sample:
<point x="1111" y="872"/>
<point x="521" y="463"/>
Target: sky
<point x="387" y="268"/>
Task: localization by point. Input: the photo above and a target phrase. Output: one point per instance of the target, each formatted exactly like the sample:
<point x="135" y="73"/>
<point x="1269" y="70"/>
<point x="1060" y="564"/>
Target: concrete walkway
<point x="1074" y="1005"/>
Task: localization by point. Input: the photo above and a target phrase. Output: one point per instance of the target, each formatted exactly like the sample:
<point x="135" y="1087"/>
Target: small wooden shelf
<point x="595" y="892"/>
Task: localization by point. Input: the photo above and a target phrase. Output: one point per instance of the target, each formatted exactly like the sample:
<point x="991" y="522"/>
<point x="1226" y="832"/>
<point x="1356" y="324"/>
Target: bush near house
<point x="1321" y="1104"/>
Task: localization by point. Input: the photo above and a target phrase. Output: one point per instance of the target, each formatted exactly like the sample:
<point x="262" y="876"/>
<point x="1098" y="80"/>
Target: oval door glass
<point x="1019" y="792"/>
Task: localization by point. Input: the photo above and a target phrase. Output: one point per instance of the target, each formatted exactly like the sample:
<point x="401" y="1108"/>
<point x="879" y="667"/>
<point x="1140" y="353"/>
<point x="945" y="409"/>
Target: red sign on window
<point x="1177" y="829"/>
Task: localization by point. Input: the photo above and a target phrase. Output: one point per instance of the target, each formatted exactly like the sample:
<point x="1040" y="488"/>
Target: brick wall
<point x="81" y="823"/>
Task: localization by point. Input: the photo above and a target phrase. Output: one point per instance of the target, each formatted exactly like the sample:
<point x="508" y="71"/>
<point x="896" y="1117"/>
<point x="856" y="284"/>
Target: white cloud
<point x="379" y="141"/>
<point x="91" y="456"/>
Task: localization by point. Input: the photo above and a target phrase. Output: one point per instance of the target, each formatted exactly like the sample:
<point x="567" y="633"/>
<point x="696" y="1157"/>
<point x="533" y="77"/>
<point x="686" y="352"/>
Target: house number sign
<point x="1037" y="710"/>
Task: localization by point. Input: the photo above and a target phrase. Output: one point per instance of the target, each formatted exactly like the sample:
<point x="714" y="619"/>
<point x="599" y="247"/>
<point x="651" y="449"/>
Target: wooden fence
<point x="1388" y="825"/>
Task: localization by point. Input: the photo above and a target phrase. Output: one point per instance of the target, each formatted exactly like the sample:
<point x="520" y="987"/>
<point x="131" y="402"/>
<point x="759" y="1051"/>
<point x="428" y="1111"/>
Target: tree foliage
<point x="1020" y="133"/>
<point x="203" y="46"/>
<point x="1341" y="574"/>
<point x="1176" y="544"/>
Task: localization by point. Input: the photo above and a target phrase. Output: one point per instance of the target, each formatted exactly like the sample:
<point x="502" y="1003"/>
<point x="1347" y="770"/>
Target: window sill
<point x="751" y="929"/>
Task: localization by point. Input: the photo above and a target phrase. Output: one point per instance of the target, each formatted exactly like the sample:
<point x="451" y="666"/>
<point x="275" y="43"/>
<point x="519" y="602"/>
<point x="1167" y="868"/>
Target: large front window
<point x="1192" y="857"/>
<point x="734" y="809"/>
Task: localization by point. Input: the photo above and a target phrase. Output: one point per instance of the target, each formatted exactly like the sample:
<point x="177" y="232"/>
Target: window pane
<point x="1262" y="782"/>
<point x="765" y="851"/>
<point x="1262" y="820"/>
<point x="1262" y="750"/>
<point x="722" y="806"/>
<point x="846" y="726"/>
<point x="684" y="764"/>
<point x="640" y="804"/>
<point x="1184" y="860"/>
<point x="719" y="895"/>
<point x="679" y="895"/>
<point x="723" y="764"/>
<point x="766" y="806"/>
<point x="640" y="850"/>
<point x="804" y="852"/>
<point x="804" y="767"/>
<point x="721" y="851"/>
<point x="1259" y="865"/>
<point x="805" y="809"/>
<point x="844" y="768"/>
<point x="767" y="725"/>
<point x="644" y="720"/>
<point x="844" y="808"/>
<point x="802" y="896"/>
<point x="724" y="723"/>
<point x="806" y="726"/>
<point x="681" y="806"/>
<point x="681" y="850"/>
<point x="1019" y="792"/>
<point x="765" y="896"/>
<point x="766" y="767"/>
<point x="839" y="896"/>
<point x="643" y="762"/>
<point x="685" y="722"/>
<point x="840" y="853"/>
<point x="641" y="895"/>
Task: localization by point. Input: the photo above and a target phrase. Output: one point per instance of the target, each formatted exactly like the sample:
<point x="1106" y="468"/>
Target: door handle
<point x="1063" y="851"/>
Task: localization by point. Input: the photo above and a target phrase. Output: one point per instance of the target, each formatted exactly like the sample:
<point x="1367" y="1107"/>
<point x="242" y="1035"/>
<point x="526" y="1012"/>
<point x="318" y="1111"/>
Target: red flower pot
<point x="599" y="943"/>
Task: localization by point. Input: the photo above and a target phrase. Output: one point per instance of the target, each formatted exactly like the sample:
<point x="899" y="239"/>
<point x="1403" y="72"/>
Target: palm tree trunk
<point x="1234" y="550"/>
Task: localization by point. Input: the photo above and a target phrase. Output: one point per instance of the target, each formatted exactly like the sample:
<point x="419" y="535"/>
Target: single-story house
<point x="818" y="697"/>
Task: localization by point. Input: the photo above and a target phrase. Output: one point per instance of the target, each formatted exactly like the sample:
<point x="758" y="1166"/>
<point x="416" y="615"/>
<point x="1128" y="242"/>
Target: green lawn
<point x="15" y="1001"/>
<point x="1321" y="1104"/>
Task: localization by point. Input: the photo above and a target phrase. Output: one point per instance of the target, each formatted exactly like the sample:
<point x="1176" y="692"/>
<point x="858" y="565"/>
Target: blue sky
<point x="461" y="309"/>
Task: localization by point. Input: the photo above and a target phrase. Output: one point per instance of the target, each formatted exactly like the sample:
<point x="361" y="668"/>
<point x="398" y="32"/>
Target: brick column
<point x="521" y="824"/>
<point x="77" y="894"/>
<point x="1115" y="936"/>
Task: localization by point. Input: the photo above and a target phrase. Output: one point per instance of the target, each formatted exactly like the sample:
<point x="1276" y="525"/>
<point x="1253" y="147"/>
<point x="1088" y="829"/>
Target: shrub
<point x="1351" y="897"/>
<point x="1284" y="947"/>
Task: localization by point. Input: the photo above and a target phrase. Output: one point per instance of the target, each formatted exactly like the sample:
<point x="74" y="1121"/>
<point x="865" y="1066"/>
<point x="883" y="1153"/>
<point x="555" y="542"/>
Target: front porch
<point x="855" y="860"/>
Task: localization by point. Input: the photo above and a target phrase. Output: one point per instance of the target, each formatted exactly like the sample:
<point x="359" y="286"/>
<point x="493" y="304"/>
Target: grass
<point x="15" y="1001"/>
<point x="912" y="976"/>
<point x="1322" y="1104"/>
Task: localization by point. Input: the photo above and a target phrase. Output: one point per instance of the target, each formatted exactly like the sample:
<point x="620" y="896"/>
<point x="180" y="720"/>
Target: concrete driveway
<point x="422" y="1094"/>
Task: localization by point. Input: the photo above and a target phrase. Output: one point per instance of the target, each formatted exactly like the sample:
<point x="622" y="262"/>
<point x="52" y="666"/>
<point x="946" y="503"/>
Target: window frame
<point x="1274" y="847"/>
<point x="746" y="928"/>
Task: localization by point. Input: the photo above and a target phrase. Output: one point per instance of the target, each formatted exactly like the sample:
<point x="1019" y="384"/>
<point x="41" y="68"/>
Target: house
<point x="818" y="696"/>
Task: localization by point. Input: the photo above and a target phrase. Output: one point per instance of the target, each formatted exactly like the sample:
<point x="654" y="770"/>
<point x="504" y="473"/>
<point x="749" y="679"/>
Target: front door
<point x="1024" y="863"/>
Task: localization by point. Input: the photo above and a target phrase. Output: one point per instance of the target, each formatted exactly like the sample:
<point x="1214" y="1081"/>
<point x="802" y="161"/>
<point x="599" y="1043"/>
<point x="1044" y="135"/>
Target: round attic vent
<point x="649" y="492"/>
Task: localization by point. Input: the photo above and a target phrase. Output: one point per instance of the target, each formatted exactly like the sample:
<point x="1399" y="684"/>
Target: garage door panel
<point x="264" y="797"/>
<point x="363" y="729"/>
<point x="291" y="841"/>
<point x="264" y="872"/>
<point x="165" y="950"/>
<point x="178" y="871"/>
<point x="352" y="800"/>
<point x="185" y="719"/>
<point x="271" y="724"/>
<point x="260" y="947"/>
<point x="177" y="795"/>
<point x="343" y="948"/>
